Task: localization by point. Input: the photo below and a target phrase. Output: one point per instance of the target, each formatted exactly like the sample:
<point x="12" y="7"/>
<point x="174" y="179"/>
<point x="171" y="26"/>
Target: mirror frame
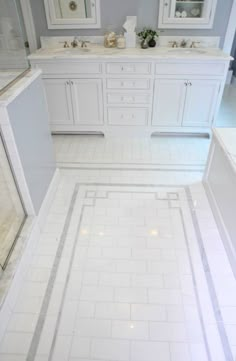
<point x="55" y="23"/>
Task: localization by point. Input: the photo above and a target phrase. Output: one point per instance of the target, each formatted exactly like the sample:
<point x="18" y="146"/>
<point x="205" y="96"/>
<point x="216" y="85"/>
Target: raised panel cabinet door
<point x="87" y="101"/>
<point x="168" y="102"/>
<point x="201" y="99"/>
<point x="59" y="101"/>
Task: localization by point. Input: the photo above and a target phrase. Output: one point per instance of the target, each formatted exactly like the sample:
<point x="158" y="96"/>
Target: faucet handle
<point x="75" y="42"/>
<point x="193" y="45"/>
<point x="183" y="43"/>
<point x="65" y="44"/>
<point x="84" y="43"/>
<point x="174" y="44"/>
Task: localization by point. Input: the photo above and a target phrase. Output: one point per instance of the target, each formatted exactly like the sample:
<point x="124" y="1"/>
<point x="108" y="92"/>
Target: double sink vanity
<point x="132" y="91"/>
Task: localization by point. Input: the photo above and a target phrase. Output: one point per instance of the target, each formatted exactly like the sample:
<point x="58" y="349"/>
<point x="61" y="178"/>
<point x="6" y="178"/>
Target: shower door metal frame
<point x="3" y="266"/>
<point x="29" y="24"/>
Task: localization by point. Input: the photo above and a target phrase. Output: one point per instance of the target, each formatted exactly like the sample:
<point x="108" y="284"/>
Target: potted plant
<point x="148" y="38"/>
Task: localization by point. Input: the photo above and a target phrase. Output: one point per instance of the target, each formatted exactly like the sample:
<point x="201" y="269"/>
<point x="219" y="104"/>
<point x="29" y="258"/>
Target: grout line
<point x="66" y="285"/>
<point x="145" y="164"/>
<point x="210" y="282"/>
<point x="177" y="170"/>
<point x="47" y="297"/>
<point x="195" y="286"/>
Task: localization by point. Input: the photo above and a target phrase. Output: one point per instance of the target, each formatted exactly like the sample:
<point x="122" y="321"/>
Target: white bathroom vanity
<point x="132" y="91"/>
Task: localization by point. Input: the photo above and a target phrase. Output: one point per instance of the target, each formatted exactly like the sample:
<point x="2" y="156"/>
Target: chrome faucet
<point x="75" y="42"/>
<point x="84" y="44"/>
<point x="193" y="45"/>
<point x="66" y="45"/>
<point x="174" y="44"/>
<point x="183" y="43"/>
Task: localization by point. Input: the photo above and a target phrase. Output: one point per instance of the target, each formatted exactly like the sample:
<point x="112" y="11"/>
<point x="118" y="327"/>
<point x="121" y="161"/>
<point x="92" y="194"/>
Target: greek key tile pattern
<point x="121" y="272"/>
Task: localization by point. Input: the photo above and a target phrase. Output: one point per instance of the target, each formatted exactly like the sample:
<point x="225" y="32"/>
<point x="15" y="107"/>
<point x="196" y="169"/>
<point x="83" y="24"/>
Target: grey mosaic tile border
<point x="39" y="327"/>
<point x="37" y="334"/>
<point x="66" y="285"/>
<point x="210" y="282"/>
<point x="195" y="287"/>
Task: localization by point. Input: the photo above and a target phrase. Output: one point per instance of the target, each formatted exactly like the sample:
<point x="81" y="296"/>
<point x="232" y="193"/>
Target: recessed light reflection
<point x="154" y="232"/>
<point x="84" y="231"/>
<point x="131" y="326"/>
<point x="101" y="234"/>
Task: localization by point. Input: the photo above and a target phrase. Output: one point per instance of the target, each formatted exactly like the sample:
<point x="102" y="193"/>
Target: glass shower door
<point x="12" y="213"/>
<point x="13" y="55"/>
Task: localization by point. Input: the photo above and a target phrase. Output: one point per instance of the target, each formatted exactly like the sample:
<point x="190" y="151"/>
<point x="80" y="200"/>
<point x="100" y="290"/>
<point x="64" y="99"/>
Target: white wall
<point x="113" y="12"/>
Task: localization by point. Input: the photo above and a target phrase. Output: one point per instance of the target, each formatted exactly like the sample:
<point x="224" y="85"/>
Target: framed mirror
<point x="73" y="14"/>
<point x="186" y="14"/>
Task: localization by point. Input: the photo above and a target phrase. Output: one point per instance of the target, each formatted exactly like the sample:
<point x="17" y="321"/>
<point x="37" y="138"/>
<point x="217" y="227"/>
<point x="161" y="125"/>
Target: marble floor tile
<point x="127" y="266"/>
<point x="124" y="290"/>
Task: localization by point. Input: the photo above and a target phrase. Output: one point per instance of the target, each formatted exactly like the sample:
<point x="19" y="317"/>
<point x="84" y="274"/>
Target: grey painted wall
<point x="29" y="120"/>
<point x="233" y="53"/>
<point x="113" y="12"/>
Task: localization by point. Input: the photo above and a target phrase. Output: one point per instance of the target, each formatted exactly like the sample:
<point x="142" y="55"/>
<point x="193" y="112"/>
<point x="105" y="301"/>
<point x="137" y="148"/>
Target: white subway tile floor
<point x="96" y="152"/>
<point x="126" y="269"/>
<point x="127" y="265"/>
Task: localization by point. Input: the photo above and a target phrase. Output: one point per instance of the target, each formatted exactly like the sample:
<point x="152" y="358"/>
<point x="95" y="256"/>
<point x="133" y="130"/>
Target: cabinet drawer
<point x="71" y="68"/>
<point x="138" y="84"/>
<point x="217" y="69"/>
<point x="115" y="98"/>
<point x="128" y="68"/>
<point x="127" y="116"/>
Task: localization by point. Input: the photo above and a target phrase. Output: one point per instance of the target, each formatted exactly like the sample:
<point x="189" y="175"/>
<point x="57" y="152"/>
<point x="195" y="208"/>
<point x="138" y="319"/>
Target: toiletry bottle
<point x="121" y="42"/>
<point x="110" y="39"/>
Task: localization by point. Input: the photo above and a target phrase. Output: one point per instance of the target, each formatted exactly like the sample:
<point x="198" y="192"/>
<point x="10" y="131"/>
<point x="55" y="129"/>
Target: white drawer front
<point x="128" y="116"/>
<point x="190" y="68"/>
<point x="72" y="68"/>
<point x="115" y="98"/>
<point x="138" y="84"/>
<point x="128" y="68"/>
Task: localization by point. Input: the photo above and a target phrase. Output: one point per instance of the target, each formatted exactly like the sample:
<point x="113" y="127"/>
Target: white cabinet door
<point x="200" y="103"/>
<point x="58" y="94"/>
<point x="168" y="103"/>
<point x="189" y="14"/>
<point x="87" y="101"/>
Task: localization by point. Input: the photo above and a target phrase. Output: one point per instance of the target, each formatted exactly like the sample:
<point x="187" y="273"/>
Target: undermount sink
<point x="187" y="51"/>
<point x="71" y="51"/>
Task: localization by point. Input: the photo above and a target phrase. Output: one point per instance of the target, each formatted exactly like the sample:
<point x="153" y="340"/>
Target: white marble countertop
<point x="98" y="51"/>
<point x="17" y="87"/>
<point x="227" y="139"/>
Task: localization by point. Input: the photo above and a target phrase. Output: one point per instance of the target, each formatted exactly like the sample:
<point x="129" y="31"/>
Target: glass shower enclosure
<point x="12" y="214"/>
<point x="13" y="53"/>
<point x="13" y="65"/>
